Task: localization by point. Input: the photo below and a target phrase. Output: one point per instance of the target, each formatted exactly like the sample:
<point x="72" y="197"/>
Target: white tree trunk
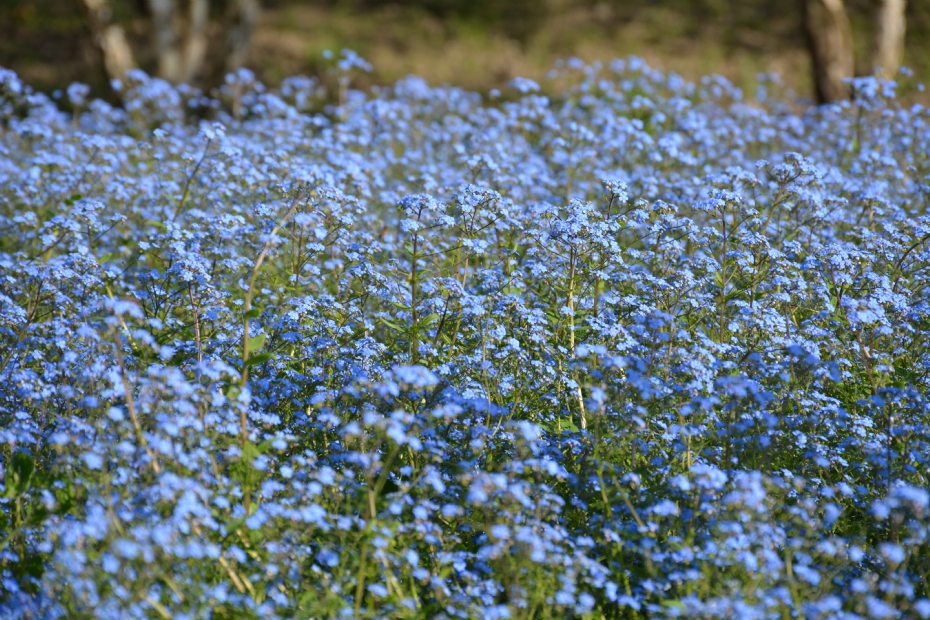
<point x="180" y="58"/>
<point x="830" y="38"/>
<point x="243" y="20"/>
<point x="195" y="47"/>
<point x="888" y="44"/>
<point x="165" y="38"/>
<point x="109" y="39"/>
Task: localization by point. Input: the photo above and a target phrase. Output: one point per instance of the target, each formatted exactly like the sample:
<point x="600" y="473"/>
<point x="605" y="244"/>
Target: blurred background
<point x="476" y="44"/>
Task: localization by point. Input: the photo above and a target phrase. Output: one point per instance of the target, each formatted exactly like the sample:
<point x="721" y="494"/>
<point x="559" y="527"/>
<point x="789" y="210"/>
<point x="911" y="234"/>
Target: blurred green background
<point x="477" y="44"/>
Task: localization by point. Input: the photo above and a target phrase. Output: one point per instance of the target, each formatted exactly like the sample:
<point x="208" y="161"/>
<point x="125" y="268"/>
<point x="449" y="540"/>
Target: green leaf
<point x="243" y="471"/>
<point x="38" y="515"/>
<point x="106" y="258"/>
<point x="255" y="343"/>
<point x="253" y="313"/>
<point x="565" y="424"/>
<point x="245" y="474"/>
<point x="429" y="318"/>
<point x="674" y="605"/>
<point x="32" y="565"/>
<point x="65" y="498"/>
<point x="250" y="451"/>
<point x="393" y="326"/>
<point x="19" y="474"/>
<point x="569" y="426"/>
<point x="258" y="359"/>
<point x="41" y="480"/>
<point x="234" y="524"/>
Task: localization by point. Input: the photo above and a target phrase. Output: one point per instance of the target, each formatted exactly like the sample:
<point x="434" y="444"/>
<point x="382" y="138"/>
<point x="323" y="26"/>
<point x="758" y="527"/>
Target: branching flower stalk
<point x="131" y="407"/>
<point x="244" y="376"/>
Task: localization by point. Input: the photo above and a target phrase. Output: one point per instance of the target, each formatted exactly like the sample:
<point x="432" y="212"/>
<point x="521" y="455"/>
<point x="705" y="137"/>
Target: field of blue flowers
<point x="637" y="347"/>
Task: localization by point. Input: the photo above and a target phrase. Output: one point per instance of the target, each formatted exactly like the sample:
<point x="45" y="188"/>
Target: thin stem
<point x="723" y="278"/>
<point x="244" y="379"/>
<point x="414" y="335"/>
<point x="571" y="337"/>
<point x="864" y="356"/>
<point x="187" y="184"/>
<point x="130" y="405"/>
<point x="190" y="293"/>
<point x="164" y="613"/>
<point x="243" y="420"/>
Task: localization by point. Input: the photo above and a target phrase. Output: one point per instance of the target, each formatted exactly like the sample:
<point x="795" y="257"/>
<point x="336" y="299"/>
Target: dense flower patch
<point x="638" y="348"/>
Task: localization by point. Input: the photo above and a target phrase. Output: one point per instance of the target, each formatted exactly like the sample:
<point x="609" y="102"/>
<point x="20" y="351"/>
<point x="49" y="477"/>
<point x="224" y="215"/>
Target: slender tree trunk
<point x="830" y="38"/>
<point x="165" y="38"/>
<point x="109" y="39"/>
<point x="888" y="43"/>
<point x="243" y="19"/>
<point x="180" y="59"/>
<point x="195" y="48"/>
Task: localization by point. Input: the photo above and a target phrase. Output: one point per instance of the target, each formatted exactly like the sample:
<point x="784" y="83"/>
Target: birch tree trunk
<point x="830" y="38"/>
<point x="888" y="42"/>
<point x="195" y="48"/>
<point x="180" y="58"/>
<point x="243" y="18"/>
<point x="165" y="38"/>
<point x="109" y="39"/>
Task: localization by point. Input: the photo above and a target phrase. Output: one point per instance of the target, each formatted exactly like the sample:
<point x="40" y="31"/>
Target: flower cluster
<point x="614" y="346"/>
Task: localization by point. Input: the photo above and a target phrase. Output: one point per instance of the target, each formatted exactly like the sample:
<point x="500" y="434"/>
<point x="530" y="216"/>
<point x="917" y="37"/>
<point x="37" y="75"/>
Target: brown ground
<point x="400" y="41"/>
